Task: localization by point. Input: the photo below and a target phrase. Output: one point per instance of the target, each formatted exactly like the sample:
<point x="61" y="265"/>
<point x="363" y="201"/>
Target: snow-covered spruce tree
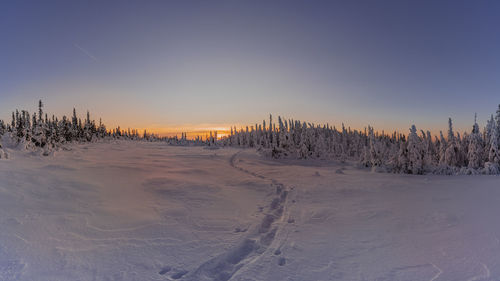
<point x="279" y="140"/>
<point x="38" y="133"/>
<point x="497" y="117"/>
<point x="303" y="151"/>
<point x="89" y="128"/>
<point x="442" y="149"/>
<point x="402" y="161"/>
<point x="415" y="152"/>
<point x="340" y="144"/>
<point x="493" y="164"/>
<point x="40" y="111"/>
<point x="476" y="147"/>
<point x="74" y="127"/>
<point x="320" y="148"/>
<point x="392" y="153"/>
<point x="495" y="141"/>
<point x="3" y="128"/>
<point x="451" y="152"/>
<point x="376" y="156"/>
<point x="488" y="130"/>
<point x="431" y="157"/>
<point x="271" y="132"/>
<point x="463" y="148"/>
<point x="281" y="134"/>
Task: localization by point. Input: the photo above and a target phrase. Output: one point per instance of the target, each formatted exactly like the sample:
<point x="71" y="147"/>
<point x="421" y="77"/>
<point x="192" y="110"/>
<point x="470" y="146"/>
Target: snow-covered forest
<point x="476" y="152"/>
<point x="41" y="132"/>
<point x="418" y="152"/>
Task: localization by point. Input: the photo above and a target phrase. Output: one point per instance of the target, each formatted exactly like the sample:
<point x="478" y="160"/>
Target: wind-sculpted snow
<point x="147" y="211"/>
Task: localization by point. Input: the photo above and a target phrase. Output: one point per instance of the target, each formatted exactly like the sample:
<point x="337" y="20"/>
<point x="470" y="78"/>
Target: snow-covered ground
<point x="147" y="211"/>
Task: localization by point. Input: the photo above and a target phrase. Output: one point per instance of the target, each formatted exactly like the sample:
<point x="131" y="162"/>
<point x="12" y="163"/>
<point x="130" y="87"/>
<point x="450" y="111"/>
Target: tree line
<point x="39" y="131"/>
<point x="418" y="152"/>
<point x="477" y="152"/>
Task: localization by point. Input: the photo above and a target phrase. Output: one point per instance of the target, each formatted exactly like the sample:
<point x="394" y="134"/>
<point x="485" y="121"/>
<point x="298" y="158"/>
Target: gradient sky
<point x="208" y="64"/>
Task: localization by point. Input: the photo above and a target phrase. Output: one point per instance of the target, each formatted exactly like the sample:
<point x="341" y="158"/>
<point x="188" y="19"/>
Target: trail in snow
<point x="262" y="238"/>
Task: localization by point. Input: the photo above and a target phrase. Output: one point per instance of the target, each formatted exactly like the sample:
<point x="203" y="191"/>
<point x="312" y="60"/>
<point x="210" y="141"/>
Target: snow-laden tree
<point x="476" y="147"/>
<point x="402" y="162"/>
<point x="443" y="144"/>
<point x="492" y="165"/>
<point x="431" y="157"/>
<point x="376" y="150"/>
<point x="415" y="152"/>
<point x="494" y="153"/>
<point x="497" y="117"/>
<point x="451" y="157"/>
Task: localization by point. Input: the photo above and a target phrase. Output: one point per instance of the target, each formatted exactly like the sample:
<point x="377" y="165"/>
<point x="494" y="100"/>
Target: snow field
<point x="129" y="210"/>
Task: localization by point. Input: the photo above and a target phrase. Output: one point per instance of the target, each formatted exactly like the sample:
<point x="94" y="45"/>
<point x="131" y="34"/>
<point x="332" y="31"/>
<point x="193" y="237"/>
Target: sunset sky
<point x="198" y="65"/>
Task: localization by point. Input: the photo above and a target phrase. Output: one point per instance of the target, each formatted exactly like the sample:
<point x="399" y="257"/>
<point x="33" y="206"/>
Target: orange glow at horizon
<point x="193" y="132"/>
<point x="203" y="130"/>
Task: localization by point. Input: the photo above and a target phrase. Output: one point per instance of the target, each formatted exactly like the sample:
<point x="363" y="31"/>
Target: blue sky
<point x="202" y="64"/>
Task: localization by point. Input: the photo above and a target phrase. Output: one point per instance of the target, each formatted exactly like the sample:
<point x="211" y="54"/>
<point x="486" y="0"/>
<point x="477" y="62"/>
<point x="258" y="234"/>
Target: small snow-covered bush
<point x="491" y="168"/>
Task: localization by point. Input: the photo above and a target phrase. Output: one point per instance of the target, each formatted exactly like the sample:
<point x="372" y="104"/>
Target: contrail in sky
<point x="85" y="52"/>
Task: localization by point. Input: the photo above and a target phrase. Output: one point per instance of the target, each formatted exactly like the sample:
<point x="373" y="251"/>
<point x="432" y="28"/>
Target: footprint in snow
<point x="239" y="229"/>
<point x="179" y="274"/>
<point x="164" y="270"/>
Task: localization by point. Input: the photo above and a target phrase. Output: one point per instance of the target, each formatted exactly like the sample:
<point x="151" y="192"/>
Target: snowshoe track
<point x="267" y="237"/>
